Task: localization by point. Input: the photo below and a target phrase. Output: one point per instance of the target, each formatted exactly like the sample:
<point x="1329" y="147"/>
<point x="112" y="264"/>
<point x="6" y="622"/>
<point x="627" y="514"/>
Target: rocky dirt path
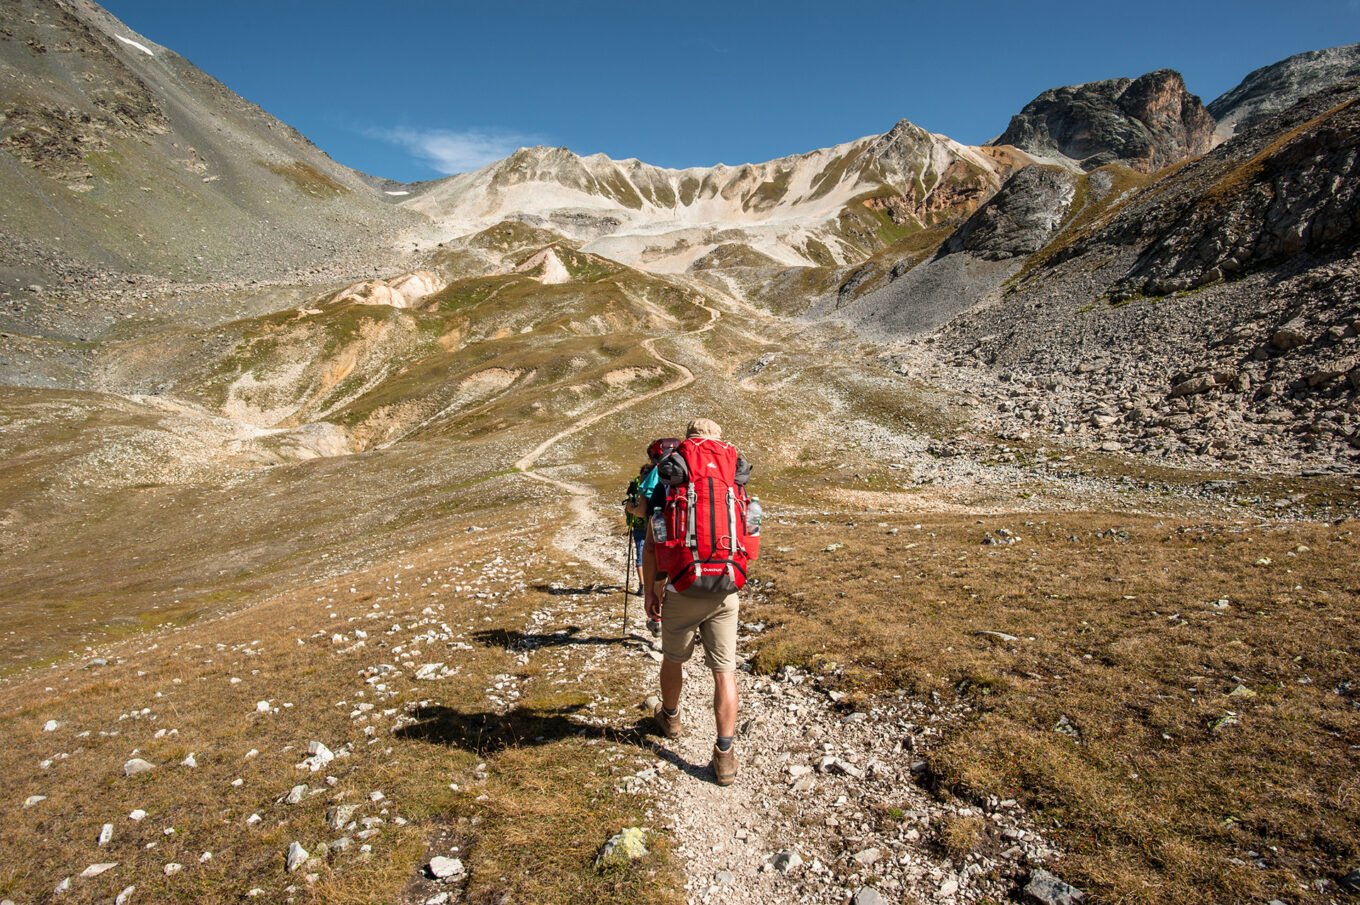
<point x="825" y="808"/>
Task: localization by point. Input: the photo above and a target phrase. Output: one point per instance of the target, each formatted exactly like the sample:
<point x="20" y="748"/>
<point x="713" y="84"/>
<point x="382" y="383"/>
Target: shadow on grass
<point x="520" y="641"/>
<point x="486" y="733"/>
<point x="582" y="591"/>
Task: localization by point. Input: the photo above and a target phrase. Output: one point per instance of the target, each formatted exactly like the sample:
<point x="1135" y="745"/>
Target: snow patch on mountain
<point x="136" y="44"/>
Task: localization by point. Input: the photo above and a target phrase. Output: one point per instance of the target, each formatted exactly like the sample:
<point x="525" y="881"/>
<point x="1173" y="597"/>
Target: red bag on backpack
<point x="705" y="550"/>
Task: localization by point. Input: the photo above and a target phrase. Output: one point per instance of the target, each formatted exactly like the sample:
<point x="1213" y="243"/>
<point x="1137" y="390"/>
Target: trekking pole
<point x="627" y="578"/>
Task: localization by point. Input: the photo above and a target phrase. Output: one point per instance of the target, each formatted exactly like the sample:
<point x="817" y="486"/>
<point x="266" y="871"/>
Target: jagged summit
<point x="1144" y="123"/>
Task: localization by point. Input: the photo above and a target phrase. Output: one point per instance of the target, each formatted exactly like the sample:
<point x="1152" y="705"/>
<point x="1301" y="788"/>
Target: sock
<point x="668" y="712"/>
<point x="725" y="743"/>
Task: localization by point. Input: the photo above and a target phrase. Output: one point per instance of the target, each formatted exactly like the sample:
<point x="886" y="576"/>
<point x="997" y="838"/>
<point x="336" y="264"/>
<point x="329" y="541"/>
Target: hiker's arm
<point x="637" y="507"/>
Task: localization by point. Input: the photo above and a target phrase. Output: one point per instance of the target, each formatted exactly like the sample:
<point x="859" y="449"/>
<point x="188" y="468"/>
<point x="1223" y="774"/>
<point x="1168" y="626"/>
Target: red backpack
<point x="706" y="547"/>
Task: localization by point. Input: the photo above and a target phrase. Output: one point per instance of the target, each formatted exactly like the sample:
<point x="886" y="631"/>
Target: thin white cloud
<point x="451" y="151"/>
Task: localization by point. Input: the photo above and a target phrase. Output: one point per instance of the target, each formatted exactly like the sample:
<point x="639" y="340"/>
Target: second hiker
<point x="636" y="508"/>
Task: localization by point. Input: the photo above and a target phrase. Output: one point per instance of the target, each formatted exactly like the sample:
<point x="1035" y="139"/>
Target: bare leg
<point x="672" y="679"/>
<point x="724" y="701"/>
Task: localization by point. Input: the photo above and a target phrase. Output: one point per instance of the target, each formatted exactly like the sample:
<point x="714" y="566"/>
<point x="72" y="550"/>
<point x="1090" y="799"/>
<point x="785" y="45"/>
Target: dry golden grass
<point x="528" y="823"/>
<point x="1159" y="799"/>
<point x="962" y="836"/>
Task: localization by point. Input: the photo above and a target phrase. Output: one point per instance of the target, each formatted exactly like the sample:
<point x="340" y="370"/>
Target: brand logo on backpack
<point x="707" y="549"/>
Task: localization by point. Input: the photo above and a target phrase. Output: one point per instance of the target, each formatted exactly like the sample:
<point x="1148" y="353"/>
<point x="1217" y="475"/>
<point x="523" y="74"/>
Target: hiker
<point x="636" y="507"/>
<point x="703" y="530"/>
<point x="634" y="517"/>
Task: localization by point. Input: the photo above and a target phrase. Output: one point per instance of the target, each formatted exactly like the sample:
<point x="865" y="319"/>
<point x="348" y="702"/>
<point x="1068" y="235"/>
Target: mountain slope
<point x="118" y="153"/>
<point x="829" y="206"/>
<point x="1213" y="312"/>
<point x="1272" y="88"/>
<point x="971" y="264"/>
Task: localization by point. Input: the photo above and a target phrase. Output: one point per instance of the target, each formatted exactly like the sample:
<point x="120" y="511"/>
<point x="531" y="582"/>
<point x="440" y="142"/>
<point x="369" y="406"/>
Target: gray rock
<point x="296" y="857"/>
<point x="320" y="755"/>
<point x="1323" y="376"/>
<point x="445" y="869"/>
<point x="137" y="765"/>
<point x="867" y="896"/>
<point x="339" y="816"/>
<point x="1044" y="888"/>
<point x="1193" y="386"/>
<point x="868" y="856"/>
<point x="296" y="794"/>
<point x="786" y="862"/>
<point x="1289" y="336"/>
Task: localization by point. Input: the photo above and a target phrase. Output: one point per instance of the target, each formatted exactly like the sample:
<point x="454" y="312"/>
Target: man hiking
<point x="636" y="510"/>
<point x="702" y="532"/>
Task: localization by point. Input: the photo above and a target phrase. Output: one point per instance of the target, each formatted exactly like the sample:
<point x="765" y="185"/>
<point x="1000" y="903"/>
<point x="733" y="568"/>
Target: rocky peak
<point x="1144" y="123"/>
<point x="1273" y="88"/>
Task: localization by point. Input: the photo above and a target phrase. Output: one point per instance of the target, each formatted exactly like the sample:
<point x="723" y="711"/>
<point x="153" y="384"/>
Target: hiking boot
<point x="724" y="765"/>
<point x="669" y="725"/>
<point x="654" y="626"/>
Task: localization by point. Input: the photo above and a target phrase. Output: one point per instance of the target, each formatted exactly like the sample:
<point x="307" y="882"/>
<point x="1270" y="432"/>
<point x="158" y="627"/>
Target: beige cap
<point x="702" y="427"/>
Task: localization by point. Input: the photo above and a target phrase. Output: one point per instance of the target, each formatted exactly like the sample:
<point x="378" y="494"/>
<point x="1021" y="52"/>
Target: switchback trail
<point x="584" y="530"/>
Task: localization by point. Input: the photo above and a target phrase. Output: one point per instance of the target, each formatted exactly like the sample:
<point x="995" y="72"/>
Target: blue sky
<point x="413" y="89"/>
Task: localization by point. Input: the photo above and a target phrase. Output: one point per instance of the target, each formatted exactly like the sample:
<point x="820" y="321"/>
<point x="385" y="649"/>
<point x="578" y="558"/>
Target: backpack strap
<point x="691" y="500"/>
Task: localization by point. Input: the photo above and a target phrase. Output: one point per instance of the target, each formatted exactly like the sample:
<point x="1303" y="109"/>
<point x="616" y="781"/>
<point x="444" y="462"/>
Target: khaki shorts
<point x="716" y="620"/>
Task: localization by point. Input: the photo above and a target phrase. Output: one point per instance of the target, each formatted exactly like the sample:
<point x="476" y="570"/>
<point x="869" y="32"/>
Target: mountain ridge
<point x="636" y="212"/>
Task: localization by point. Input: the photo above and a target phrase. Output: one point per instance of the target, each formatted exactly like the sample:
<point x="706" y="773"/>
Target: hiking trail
<point x="586" y="527"/>
<point x="811" y="778"/>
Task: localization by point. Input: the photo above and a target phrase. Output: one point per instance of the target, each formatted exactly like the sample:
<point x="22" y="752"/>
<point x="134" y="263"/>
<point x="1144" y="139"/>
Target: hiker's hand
<point x="652" y="605"/>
